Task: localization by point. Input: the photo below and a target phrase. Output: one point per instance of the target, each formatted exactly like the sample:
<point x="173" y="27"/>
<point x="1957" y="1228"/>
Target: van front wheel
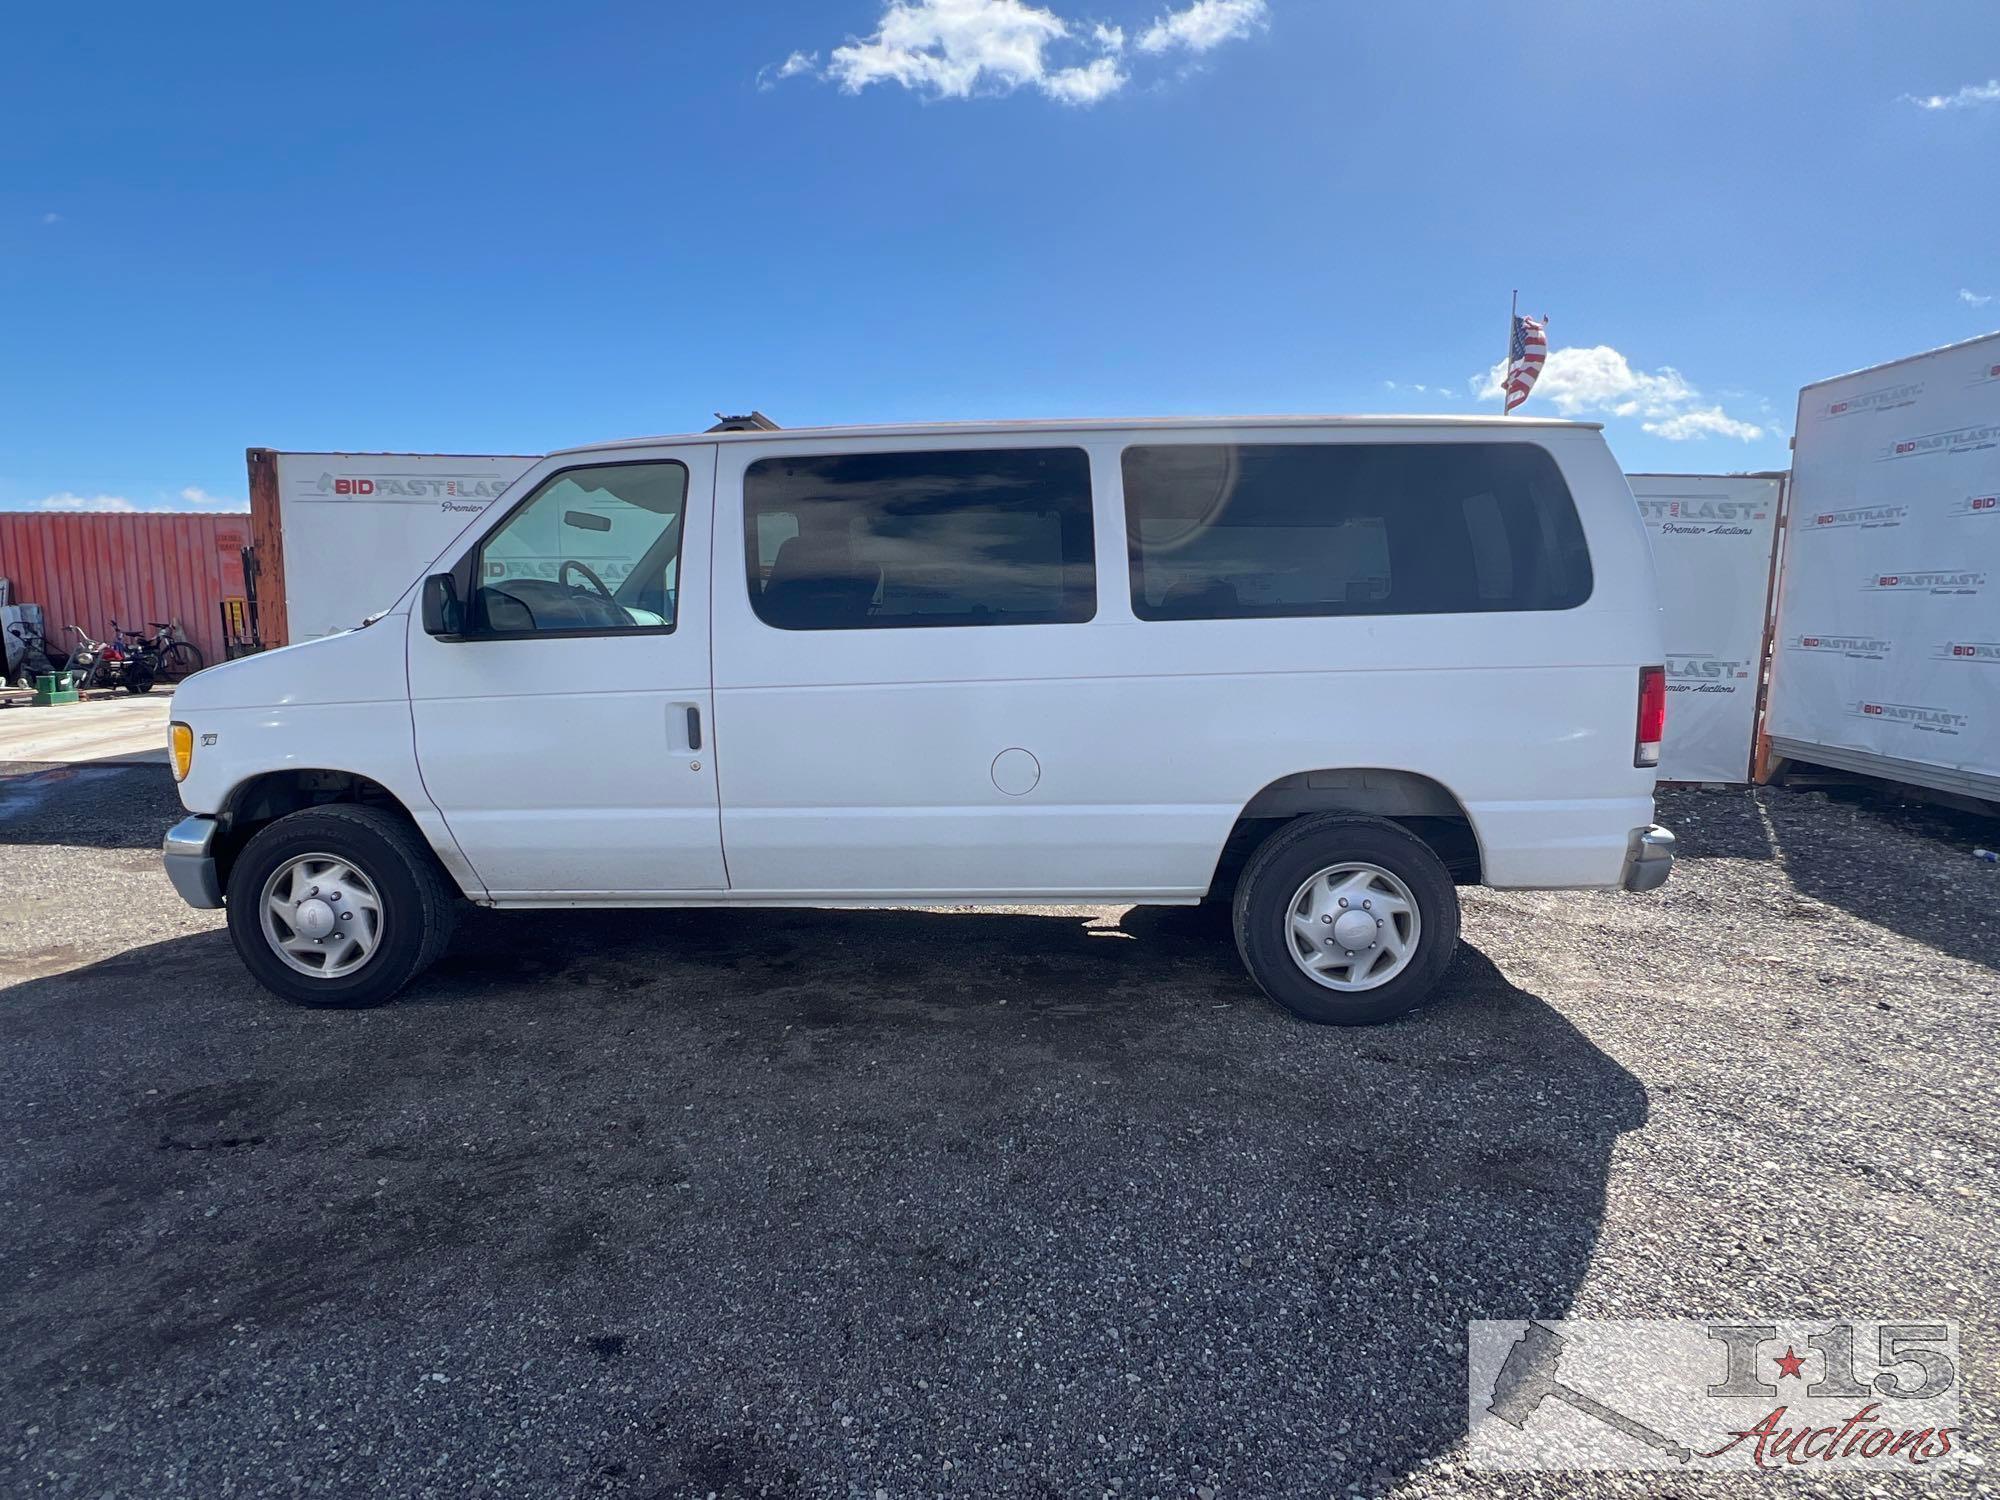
<point x="1346" y="920"/>
<point x="338" y="906"/>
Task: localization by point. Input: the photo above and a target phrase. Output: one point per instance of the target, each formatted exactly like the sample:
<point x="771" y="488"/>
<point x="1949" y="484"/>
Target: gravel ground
<point x="900" y="1204"/>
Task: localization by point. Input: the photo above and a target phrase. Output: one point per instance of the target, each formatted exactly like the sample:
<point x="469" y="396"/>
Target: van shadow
<point x="752" y="1187"/>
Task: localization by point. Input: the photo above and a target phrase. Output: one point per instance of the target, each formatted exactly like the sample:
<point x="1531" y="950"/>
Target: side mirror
<point x="444" y="611"/>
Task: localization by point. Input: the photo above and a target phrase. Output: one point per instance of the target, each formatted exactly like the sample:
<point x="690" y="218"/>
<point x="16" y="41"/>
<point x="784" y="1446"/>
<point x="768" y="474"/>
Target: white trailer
<point x="1888" y="651"/>
<point x="339" y="535"/>
<point x="1713" y="540"/>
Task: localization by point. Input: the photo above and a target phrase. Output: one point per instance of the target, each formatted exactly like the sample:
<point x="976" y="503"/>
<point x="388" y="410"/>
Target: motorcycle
<point x="102" y="664"/>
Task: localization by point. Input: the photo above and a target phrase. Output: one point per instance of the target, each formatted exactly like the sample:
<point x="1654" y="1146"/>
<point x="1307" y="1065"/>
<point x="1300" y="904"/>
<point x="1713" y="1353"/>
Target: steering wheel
<point x="562" y="577"/>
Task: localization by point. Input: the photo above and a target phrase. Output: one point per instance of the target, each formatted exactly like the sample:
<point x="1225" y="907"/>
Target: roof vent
<point x="754" y="421"/>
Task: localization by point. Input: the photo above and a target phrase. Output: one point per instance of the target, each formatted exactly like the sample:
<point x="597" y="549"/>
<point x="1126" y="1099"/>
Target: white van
<point x="1320" y="668"/>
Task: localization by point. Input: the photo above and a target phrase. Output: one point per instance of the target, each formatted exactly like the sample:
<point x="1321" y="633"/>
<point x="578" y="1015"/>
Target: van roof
<point x="1078" y="424"/>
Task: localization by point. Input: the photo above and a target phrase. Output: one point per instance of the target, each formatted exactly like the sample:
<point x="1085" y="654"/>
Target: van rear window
<point x="1266" y="530"/>
<point x="874" y="541"/>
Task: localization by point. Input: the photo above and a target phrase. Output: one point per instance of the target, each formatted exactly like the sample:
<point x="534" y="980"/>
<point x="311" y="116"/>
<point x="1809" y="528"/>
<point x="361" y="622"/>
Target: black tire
<point x="1281" y="867"/>
<point x="139" y="685"/>
<point x="418" y="902"/>
<point x="181" y="659"/>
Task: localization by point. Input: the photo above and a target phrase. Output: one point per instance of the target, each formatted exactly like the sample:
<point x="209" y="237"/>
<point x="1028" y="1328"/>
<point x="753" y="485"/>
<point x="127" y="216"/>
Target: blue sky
<point x="520" y="226"/>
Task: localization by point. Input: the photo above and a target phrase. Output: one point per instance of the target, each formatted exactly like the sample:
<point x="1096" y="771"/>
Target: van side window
<point x="593" y="549"/>
<point x="1251" y="531"/>
<point x="1492" y="548"/>
<point x="901" y="540"/>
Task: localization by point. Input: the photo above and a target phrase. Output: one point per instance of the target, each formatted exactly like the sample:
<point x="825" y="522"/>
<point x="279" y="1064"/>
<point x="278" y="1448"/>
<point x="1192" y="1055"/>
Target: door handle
<point x="694" y="727"/>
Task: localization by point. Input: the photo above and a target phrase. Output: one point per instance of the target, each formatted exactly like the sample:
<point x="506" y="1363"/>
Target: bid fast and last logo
<point x="454" y="492"/>
<point x="1975" y="438"/>
<point x="1861" y="517"/>
<point x="1925" y="718"/>
<point x="1969" y="651"/>
<point x="1689" y="515"/>
<point x="1882" y="398"/>
<point x="1863" y="647"/>
<point x="1705" y="674"/>
<point x="1927" y="581"/>
<point x="1882" y="517"/>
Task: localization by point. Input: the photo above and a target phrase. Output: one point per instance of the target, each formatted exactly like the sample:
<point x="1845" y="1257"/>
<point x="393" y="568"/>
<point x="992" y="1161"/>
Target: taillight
<point x="1652" y="716"/>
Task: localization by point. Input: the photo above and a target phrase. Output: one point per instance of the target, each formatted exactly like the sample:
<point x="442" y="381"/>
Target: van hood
<point x="364" y="665"/>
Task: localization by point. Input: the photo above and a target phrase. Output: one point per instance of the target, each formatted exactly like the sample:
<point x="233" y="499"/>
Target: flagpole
<point x="1513" y="312"/>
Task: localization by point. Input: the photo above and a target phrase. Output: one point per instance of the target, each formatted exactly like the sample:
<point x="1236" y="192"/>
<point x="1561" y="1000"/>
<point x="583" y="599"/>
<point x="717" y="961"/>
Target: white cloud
<point x="1973" y="299"/>
<point x="1701" y="422"/>
<point x="772" y="74"/>
<point x="963" y="49"/>
<point x="1085" y="85"/>
<point x="951" y="49"/>
<point x="192" y="497"/>
<point x="52" y="218"/>
<point x="1969" y="97"/>
<point x="1204" y="25"/>
<point x="67" y="501"/>
<point x="1599" y="381"/>
<point x="201" y="499"/>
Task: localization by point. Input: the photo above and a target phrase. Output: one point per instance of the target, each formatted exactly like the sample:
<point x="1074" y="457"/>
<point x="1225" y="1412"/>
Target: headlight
<point x="180" y="749"/>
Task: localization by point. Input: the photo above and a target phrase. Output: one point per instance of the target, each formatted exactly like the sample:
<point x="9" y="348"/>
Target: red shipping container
<point x="89" y="569"/>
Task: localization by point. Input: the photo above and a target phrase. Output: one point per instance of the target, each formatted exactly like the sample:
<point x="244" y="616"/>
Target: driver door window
<point x="594" y="549"/>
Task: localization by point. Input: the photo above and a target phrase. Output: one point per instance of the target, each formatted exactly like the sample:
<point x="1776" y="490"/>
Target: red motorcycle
<point x="109" y="665"/>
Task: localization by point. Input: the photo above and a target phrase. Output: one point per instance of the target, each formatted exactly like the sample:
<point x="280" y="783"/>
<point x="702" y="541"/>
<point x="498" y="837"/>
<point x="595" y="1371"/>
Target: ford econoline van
<point x="1320" y="670"/>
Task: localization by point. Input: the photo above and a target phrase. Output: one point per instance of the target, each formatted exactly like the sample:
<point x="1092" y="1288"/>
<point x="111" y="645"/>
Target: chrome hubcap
<point x="1353" y="927"/>
<point x="321" y="915"/>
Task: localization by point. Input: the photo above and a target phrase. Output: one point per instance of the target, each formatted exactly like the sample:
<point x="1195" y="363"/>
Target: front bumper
<point x="1649" y="859"/>
<point x="190" y="861"/>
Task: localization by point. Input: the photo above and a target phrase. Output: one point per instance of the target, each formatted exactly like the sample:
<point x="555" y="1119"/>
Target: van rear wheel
<point x="1345" y="920"/>
<point x="338" y="906"/>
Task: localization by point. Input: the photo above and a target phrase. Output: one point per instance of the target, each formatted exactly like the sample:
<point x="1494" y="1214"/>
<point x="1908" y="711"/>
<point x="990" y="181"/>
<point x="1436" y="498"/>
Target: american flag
<point x="1524" y="358"/>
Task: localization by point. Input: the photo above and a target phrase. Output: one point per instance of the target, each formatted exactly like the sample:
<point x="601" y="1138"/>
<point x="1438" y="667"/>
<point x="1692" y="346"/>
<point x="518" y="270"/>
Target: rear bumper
<point x="190" y="861"/>
<point x="1649" y="859"/>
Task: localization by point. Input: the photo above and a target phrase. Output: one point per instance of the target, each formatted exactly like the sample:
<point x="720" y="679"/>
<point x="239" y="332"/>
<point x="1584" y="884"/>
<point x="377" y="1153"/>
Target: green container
<point x="55" y="687"/>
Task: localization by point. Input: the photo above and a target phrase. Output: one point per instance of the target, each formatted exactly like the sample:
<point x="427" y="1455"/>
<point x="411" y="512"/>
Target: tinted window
<point x="592" y="549"/>
<point x="1227" y="531"/>
<point x="881" y="540"/>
